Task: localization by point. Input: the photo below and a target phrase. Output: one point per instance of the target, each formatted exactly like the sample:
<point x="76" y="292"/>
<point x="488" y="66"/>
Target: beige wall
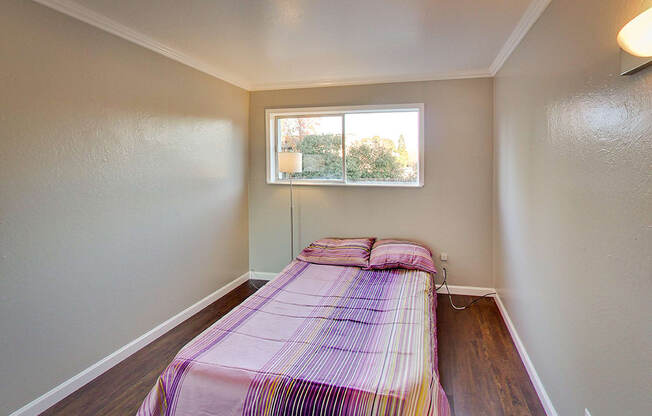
<point x="451" y="213"/>
<point x="573" y="192"/>
<point x="123" y="194"/>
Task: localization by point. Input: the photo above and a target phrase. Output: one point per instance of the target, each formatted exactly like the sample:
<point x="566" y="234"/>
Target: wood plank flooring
<point x="121" y="390"/>
<point x="480" y="369"/>
<point x="479" y="366"/>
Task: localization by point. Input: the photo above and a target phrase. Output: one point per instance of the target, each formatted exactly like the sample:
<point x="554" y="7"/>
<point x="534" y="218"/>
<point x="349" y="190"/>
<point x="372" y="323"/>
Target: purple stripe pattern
<point x="399" y="254"/>
<point x="318" y="340"/>
<point x="338" y="251"/>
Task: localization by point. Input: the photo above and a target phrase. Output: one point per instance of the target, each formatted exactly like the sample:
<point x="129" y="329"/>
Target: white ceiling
<point x="265" y="44"/>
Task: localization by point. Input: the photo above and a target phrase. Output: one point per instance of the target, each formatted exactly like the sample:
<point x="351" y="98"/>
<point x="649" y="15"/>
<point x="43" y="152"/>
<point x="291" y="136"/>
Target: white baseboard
<point x="532" y="372"/>
<point x="69" y="386"/>
<point x="467" y="290"/>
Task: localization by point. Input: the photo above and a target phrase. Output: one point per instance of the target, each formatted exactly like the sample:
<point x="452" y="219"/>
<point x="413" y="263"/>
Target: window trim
<point x="271" y="142"/>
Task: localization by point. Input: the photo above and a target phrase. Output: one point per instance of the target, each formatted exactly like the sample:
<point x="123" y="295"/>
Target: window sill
<point x="334" y="183"/>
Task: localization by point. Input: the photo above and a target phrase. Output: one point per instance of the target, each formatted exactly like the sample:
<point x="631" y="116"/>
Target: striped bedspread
<point x="316" y="340"/>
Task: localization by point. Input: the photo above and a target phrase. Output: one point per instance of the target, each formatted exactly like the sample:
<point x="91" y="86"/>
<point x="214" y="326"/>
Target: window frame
<point x="271" y="134"/>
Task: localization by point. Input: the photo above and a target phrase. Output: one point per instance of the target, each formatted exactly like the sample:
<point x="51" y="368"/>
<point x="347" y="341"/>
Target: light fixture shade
<point x="289" y="162"/>
<point x="636" y="36"/>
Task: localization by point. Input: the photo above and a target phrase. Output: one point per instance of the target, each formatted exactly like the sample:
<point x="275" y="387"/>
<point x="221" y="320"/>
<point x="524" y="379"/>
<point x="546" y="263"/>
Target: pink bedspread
<point x="318" y="340"/>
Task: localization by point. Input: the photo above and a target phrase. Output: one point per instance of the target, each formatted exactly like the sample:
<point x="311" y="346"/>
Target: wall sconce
<point x="635" y="39"/>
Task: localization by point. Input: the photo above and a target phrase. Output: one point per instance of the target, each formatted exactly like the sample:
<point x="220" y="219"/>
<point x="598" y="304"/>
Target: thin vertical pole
<point x="291" y="221"/>
<point x="344" y="148"/>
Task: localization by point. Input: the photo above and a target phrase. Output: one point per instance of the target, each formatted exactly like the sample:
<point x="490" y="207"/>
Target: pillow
<point x="399" y="254"/>
<point x="338" y="251"/>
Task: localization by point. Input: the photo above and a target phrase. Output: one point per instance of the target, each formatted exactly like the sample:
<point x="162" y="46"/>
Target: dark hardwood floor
<point x="479" y="366"/>
<point x="121" y="390"/>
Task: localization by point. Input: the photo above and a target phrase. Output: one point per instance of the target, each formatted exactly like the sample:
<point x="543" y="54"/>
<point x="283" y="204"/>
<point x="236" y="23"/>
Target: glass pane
<point x="382" y="147"/>
<point x="319" y="139"/>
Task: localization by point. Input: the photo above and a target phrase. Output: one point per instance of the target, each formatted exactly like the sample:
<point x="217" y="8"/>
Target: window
<point x="360" y="145"/>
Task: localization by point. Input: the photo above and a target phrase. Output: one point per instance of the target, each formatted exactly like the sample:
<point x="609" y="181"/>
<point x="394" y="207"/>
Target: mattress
<point x="317" y="340"/>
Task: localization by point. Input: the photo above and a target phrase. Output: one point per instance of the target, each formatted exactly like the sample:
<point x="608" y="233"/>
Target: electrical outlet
<point x="586" y="412"/>
<point x="443" y="256"/>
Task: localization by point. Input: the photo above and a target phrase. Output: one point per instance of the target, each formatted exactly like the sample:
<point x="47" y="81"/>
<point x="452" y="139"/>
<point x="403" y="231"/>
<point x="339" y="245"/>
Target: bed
<point x="315" y="340"/>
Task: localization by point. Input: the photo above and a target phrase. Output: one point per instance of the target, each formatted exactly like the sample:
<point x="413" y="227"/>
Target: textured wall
<point x="123" y="194"/>
<point x="451" y="213"/>
<point x="573" y="192"/>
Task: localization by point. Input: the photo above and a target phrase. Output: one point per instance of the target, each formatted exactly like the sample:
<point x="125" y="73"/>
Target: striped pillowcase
<point x="399" y="254"/>
<point x="338" y="251"/>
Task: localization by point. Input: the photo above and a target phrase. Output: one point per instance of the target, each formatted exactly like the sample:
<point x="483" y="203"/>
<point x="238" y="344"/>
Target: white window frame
<point x="271" y="148"/>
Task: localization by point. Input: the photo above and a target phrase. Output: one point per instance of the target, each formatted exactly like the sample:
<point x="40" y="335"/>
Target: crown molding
<point x="334" y="82"/>
<point x="79" y="12"/>
<point x="102" y="22"/>
<point x="531" y="15"/>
